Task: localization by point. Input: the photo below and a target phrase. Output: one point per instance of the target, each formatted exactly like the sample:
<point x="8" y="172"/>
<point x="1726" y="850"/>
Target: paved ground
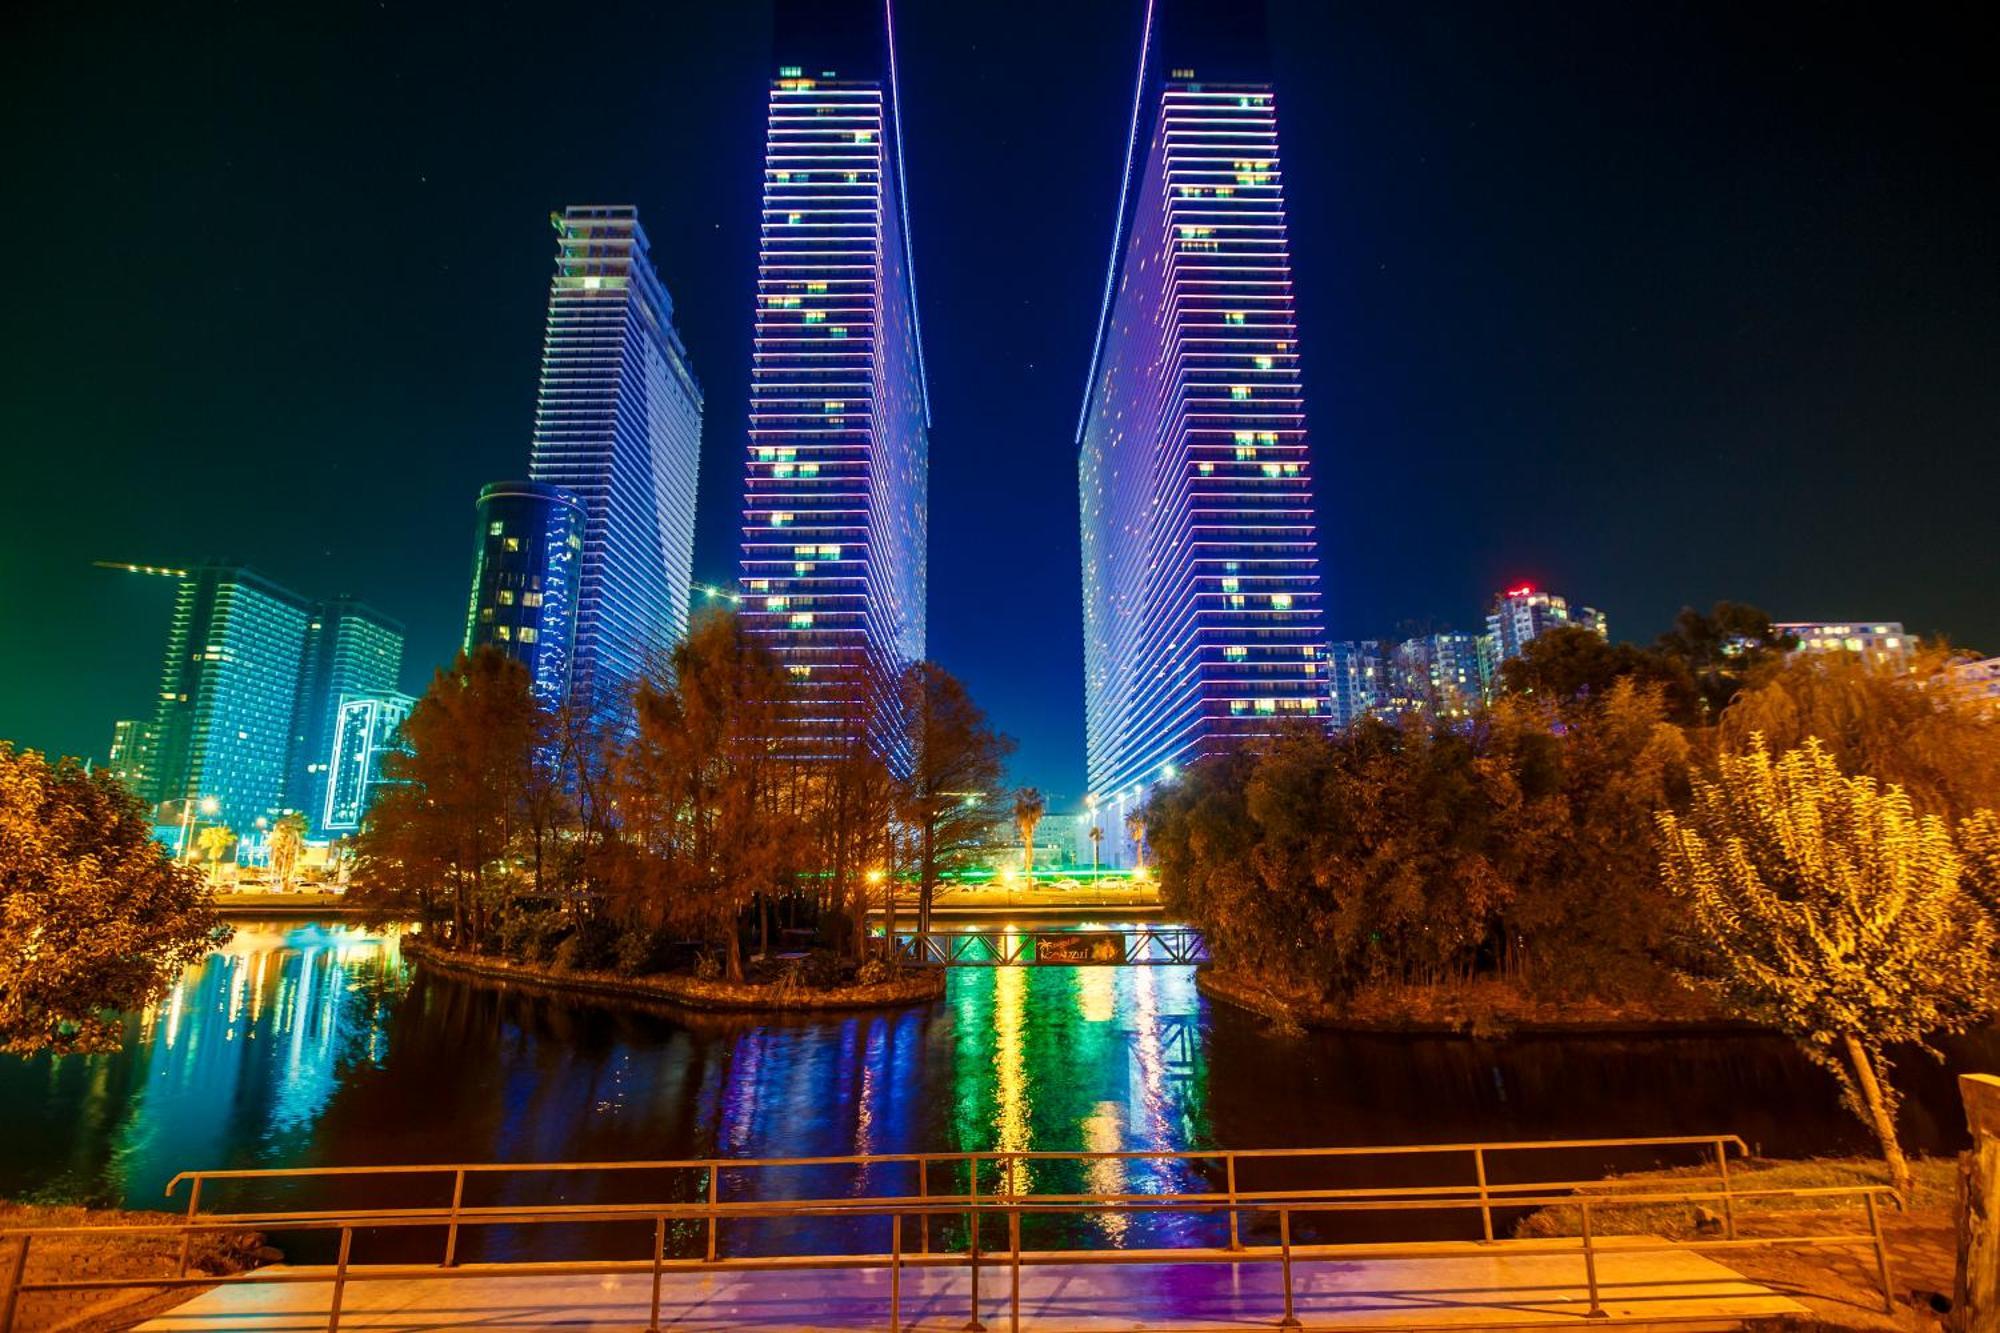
<point x="1517" y="1284"/>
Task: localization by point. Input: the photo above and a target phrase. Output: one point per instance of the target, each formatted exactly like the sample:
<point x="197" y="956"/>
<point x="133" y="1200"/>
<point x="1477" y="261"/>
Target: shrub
<point x="874" y="972"/>
<point x="531" y="936"/>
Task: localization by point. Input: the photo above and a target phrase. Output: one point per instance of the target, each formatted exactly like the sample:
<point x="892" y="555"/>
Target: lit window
<point x="527" y="634"/>
<point x="513" y="543"/>
<point x="506" y="597"/>
<point x="531" y="599"/>
<point x="1281" y="601"/>
<point x="780" y="518"/>
<point x="495" y="528"/>
<point x="504" y="633"/>
<point x="1239" y="391"/>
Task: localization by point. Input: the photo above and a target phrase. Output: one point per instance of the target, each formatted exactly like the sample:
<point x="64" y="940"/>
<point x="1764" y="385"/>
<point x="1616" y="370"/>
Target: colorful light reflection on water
<point x="304" y="1044"/>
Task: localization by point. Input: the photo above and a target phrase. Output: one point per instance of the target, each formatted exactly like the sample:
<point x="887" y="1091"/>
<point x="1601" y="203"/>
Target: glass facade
<point x="350" y="649"/>
<point x="228" y="691"/>
<point x="527" y="545"/>
<point x="618" y="426"/>
<point x="834" y="514"/>
<point x="1201" y="592"/>
<point x="364" y="730"/>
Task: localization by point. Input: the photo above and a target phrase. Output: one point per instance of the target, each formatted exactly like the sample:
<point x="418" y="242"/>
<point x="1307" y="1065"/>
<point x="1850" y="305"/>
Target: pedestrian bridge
<point x="1088" y="946"/>
<point x="1041" y="1240"/>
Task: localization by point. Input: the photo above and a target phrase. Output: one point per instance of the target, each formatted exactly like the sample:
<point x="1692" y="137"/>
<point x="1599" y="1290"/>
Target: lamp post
<point x="209" y="805"/>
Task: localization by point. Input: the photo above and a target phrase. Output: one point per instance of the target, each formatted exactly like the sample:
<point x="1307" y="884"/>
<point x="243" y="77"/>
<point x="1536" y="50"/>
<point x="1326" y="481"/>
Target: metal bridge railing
<point x="1123" y="946"/>
<point x="1001" y="1199"/>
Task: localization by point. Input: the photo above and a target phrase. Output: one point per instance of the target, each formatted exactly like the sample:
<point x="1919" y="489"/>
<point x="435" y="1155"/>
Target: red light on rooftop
<point x="1525" y="590"/>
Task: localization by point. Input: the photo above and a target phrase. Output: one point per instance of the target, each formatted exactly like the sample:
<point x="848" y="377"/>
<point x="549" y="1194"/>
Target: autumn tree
<point x="1721" y="650"/>
<point x="951" y="798"/>
<point x="94" y="917"/>
<point x="288" y="841"/>
<point x="704" y="787"/>
<point x="456" y="809"/>
<point x="1833" y="912"/>
<point x="1899" y="727"/>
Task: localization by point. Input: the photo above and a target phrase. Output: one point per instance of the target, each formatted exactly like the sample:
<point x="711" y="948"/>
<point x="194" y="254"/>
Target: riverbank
<point x="905" y="987"/>
<point x="1481" y="1008"/>
<point x="76" y="1258"/>
<point x="1839" y="1284"/>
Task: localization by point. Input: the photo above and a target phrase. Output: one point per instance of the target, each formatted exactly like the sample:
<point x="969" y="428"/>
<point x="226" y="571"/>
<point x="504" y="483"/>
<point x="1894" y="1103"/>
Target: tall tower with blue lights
<point x="834" y="510"/>
<point x="1201" y="591"/>
<point x="618" y="429"/>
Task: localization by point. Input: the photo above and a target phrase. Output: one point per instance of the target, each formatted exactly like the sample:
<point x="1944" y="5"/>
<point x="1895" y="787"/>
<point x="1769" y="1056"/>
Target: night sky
<point x="1650" y="304"/>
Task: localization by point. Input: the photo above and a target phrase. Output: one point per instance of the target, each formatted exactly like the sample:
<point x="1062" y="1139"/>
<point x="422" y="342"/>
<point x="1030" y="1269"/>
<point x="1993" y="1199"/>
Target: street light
<point x="209" y="805"/>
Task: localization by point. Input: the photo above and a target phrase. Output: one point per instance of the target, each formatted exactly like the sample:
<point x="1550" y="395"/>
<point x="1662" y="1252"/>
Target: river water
<point x="309" y="1044"/>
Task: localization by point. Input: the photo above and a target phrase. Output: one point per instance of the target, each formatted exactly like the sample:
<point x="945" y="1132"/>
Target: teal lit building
<point x="528" y="543"/>
<point x="618" y="427"/>
<point x="835" y="506"/>
<point x="365" y="730"/>
<point x="350" y="649"/>
<point x="229" y="691"/>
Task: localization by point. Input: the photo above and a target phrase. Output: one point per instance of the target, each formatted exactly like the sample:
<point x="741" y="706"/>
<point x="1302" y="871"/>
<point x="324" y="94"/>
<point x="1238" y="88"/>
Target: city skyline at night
<point x="1563" y="317"/>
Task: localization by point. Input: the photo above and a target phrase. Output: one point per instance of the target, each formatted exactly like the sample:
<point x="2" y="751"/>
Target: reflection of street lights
<point x="209" y="805"/>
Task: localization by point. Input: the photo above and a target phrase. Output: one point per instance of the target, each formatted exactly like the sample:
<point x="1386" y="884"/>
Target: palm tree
<point x="216" y="842"/>
<point x="1135" y="829"/>
<point x="1096" y="837"/>
<point x="288" y="839"/>
<point x="1028" y="807"/>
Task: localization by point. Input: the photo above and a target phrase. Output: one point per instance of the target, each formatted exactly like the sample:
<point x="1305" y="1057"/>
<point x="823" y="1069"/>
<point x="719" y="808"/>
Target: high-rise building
<point x="364" y="731"/>
<point x="1878" y="643"/>
<point x="228" y="693"/>
<point x="351" y="649"/>
<point x="528" y="541"/>
<point x="1359" y="684"/>
<point x="1525" y="613"/>
<point x="618" y="426"/>
<point x="134" y="747"/>
<point x="1201" y="592"/>
<point x="834" y="508"/>
<point x="1444" y="676"/>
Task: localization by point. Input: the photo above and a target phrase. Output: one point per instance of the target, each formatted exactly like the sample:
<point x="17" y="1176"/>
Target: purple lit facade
<point x="1202" y="616"/>
<point x="834" y="513"/>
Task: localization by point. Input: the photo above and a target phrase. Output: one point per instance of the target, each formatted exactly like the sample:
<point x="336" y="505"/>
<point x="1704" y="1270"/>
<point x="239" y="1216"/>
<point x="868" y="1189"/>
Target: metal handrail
<point x="975" y="1206"/>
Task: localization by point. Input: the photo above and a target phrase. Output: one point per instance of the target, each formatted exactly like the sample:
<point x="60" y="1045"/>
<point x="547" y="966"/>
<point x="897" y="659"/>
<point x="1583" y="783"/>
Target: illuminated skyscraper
<point x="228" y="693"/>
<point x="1202" y="619"/>
<point x="350" y="649"/>
<point x="833" y="562"/>
<point x="526" y="547"/>
<point x="618" y="426"/>
<point x="364" y="730"/>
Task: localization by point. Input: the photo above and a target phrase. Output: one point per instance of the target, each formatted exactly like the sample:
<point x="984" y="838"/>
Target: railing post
<point x="339" y="1280"/>
<point x="923" y="1218"/>
<point x="1485" y="1205"/>
<point x="973" y="1325"/>
<point x="1014" y="1293"/>
<point x="1881" y="1254"/>
<point x="1596" y="1310"/>
<point x="1229" y="1165"/>
<point x="1290" y="1320"/>
<point x="187" y="1236"/>
<point x="895" y="1272"/>
<point x="451" y="1233"/>
<point x="714" y="1198"/>
<point x="659" y="1253"/>
<point x="17" y="1274"/>
<point x="1728" y="1195"/>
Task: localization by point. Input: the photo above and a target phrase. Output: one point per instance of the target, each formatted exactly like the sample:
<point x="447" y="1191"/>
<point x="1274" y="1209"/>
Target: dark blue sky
<point x="1651" y="304"/>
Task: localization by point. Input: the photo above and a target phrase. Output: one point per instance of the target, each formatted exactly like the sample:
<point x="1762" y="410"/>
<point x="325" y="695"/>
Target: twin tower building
<point x="1201" y="597"/>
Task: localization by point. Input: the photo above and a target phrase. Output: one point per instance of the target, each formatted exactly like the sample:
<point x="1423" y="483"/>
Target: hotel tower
<point x="618" y="433"/>
<point x="833" y="560"/>
<point x="1201" y="594"/>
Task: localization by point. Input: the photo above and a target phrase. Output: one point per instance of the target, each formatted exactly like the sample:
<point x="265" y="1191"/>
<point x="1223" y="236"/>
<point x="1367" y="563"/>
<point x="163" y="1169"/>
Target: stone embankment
<point x="906" y="986"/>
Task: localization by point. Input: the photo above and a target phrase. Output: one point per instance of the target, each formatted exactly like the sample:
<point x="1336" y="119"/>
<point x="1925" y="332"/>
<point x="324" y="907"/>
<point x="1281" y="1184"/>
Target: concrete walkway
<point x="1514" y="1286"/>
